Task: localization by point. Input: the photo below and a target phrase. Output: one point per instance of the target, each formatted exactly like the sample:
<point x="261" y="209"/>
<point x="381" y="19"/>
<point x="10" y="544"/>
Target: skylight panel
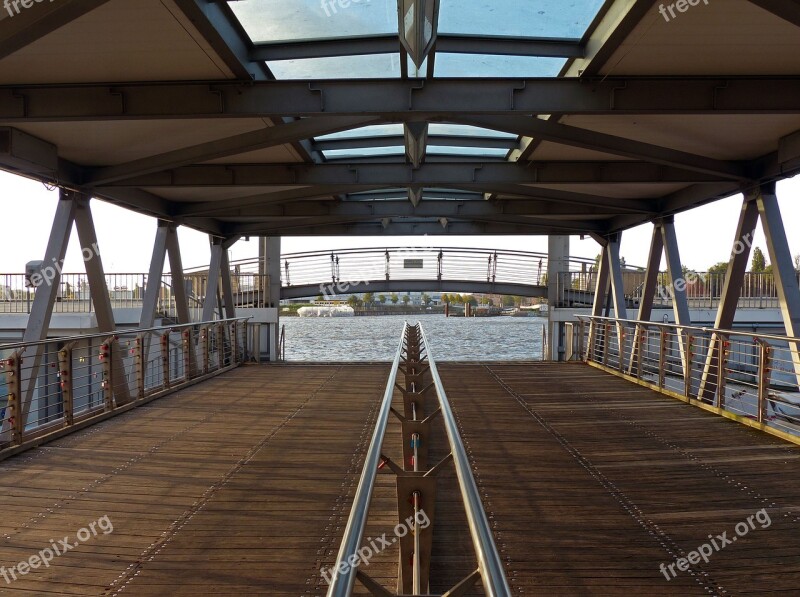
<point x="365" y="132"/>
<point x="371" y="66"/>
<point x="363" y="152"/>
<point x="560" y="19"/>
<point x="483" y="65"/>
<point x="487" y="152"/>
<point x="461" y="130"/>
<point x="294" y="20"/>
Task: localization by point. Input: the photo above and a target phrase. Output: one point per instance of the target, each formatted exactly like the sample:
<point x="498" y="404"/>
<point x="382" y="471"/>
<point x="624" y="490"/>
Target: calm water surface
<point x="376" y="338"/>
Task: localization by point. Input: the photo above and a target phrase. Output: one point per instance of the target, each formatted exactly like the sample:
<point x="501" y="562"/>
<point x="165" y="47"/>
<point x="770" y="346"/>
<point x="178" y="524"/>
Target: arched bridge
<point x="403" y="269"/>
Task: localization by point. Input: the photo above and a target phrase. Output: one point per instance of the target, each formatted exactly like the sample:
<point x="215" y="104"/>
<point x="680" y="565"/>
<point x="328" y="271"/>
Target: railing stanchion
<point x="688" y="357"/>
<point x="662" y="357"/>
<point x="722" y="345"/>
<point x="65" y="374"/>
<point x="141" y="365"/>
<point x="764" y="375"/>
<point x="14" y="414"/>
<point x="165" y="358"/>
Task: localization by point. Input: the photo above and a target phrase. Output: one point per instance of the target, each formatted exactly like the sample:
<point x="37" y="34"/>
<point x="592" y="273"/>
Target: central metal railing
<point x="750" y="377"/>
<point x="416" y="485"/>
<point x="59" y="385"/>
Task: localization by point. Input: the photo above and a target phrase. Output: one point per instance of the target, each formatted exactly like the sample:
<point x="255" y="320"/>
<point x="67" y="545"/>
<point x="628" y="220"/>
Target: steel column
<point x="42" y="309"/>
<point x="617" y="291"/>
<point x="227" y="284"/>
<point x="212" y="284"/>
<point x="731" y="290"/>
<point x="648" y="291"/>
<point x="98" y="289"/>
<point x="176" y="271"/>
<point x="152" y="290"/>
<point x="680" y="304"/>
<point x="782" y="267"/>
<point x="600" y="295"/>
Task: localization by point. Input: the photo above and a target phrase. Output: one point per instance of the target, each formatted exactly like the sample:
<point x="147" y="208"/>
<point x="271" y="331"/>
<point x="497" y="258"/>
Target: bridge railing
<point x="350" y="266"/>
<point x="703" y="289"/>
<point x="416" y="485"/>
<point x="125" y="290"/>
<point x="52" y="387"/>
<point x="749" y="377"/>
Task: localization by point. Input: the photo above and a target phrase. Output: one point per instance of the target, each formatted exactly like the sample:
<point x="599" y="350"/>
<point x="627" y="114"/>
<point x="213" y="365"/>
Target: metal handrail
<point x="119" y="331"/>
<point x="491" y="566"/>
<point x="342" y="583"/>
<point x="676" y="326"/>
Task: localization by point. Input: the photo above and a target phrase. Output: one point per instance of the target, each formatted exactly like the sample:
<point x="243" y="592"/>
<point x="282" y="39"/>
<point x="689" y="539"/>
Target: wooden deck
<point x="242" y="486"/>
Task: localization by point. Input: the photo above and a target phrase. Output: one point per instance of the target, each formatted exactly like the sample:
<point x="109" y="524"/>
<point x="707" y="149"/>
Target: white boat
<point x="326" y="311"/>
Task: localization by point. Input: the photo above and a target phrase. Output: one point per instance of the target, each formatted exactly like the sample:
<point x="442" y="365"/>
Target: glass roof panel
<point x="363" y="152"/>
<point x="462" y="130"/>
<point x="567" y="19"/>
<point x="365" y="132"/>
<point x="482" y="65"/>
<point x="467" y="151"/>
<point x="285" y="20"/>
<point x="371" y="66"/>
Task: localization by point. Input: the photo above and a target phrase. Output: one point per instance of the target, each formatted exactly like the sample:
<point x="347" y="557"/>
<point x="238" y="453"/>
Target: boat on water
<point x="326" y="311"/>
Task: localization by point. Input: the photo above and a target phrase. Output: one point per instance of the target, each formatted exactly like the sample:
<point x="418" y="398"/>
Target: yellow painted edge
<point x="793" y="439"/>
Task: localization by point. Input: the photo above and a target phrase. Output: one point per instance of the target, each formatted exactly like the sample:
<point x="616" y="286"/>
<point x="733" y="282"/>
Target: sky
<point x="125" y="238"/>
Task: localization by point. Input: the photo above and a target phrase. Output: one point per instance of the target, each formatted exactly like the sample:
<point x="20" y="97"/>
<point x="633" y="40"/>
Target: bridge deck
<point x="242" y="486"/>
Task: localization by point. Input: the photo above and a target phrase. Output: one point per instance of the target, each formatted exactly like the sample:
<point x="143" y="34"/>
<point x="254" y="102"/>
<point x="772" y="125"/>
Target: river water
<point x="354" y="339"/>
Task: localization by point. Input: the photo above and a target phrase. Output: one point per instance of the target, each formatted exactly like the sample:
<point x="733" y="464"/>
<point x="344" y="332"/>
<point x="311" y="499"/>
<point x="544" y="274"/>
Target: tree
<point x="508" y="301"/>
<point x="445" y="298"/>
<point x="353" y="301"/>
<point x="472" y="301"/>
<point x="320" y="298"/>
<point x="458" y="299"/>
<point x="719" y="268"/>
<point x="369" y="298"/>
<point x="759" y="264"/>
<point x="717" y="276"/>
<point x="490" y="302"/>
<point x="394" y="298"/>
<point x="382" y="299"/>
<point x="426" y="300"/>
<point x="406" y="299"/>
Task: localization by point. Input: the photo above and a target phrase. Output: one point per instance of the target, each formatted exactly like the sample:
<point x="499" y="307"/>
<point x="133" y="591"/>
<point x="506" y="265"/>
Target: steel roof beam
<point x="428" y="208"/>
<point x="403" y="175"/>
<point x="433" y="140"/>
<point x="399" y="100"/>
<point x="448" y="43"/>
<point x="788" y="10"/>
<point x="31" y="23"/>
<point x="635" y="206"/>
<point x="219" y="26"/>
<point x="227" y="206"/>
<point x="394" y="229"/>
<point x="563" y="134"/>
<point x="230" y="146"/>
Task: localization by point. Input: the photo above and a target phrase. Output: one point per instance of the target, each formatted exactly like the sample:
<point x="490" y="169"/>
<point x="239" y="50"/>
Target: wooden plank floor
<point x="238" y="486"/>
<point x="592" y="483"/>
<point x="242" y="486"/>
